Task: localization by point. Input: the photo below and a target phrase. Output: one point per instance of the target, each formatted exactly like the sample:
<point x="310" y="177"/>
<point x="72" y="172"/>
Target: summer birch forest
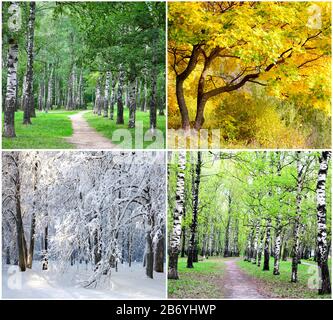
<point x="249" y="224"/>
<point x="84" y="224"/>
<point x="66" y="65"/>
<point x="257" y="72"/>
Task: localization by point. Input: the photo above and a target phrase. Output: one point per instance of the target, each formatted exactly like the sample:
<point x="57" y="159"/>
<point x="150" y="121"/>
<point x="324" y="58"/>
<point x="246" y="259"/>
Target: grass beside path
<point x="107" y="127"/>
<point x="280" y="286"/>
<point x="46" y="132"/>
<point x="201" y="282"/>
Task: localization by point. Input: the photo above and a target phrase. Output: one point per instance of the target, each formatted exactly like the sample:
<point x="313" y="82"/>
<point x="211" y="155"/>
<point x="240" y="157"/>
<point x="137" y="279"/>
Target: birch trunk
<point x="192" y="242"/>
<point x="322" y="247"/>
<point x="107" y="94"/>
<point x="10" y="102"/>
<point x="267" y="244"/>
<point x="277" y="246"/>
<point x="177" y="218"/>
<point x="262" y="235"/>
<point x="113" y="97"/>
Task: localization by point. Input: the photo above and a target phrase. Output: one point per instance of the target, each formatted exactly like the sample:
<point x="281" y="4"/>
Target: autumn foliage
<point x="259" y="71"/>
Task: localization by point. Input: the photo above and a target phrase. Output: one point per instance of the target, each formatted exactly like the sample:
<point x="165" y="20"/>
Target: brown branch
<point x="308" y="61"/>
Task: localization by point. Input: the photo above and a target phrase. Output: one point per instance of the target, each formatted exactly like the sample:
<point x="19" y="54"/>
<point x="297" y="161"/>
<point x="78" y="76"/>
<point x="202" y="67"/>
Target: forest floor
<point x="141" y="137"/>
<point x="86" y="137"/>
<point x="127" y="283"/>
<point x="233" y="278"/>
<point x="201" y="282"/>
<point x="239" y="285"/>
<point x="280" y="286"/>
<point x="48" y="131"/>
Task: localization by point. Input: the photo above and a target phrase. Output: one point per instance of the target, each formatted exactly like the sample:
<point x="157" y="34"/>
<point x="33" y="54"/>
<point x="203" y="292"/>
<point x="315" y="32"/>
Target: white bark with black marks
<point x="177" y="218"/>
<point x="12" y="60"/>
<point x="107" y="94"/>
<point x="322" y="246"/>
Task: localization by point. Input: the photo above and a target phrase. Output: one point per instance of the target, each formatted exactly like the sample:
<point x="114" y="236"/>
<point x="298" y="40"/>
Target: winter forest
<point x="74" y="73"/>
<point x="83" y="225"/>
<point x="249" y="225"/>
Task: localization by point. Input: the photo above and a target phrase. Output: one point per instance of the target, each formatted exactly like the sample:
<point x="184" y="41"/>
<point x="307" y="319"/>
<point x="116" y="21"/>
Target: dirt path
<point x="238" y="285"/>
<point x="85" y="137"/>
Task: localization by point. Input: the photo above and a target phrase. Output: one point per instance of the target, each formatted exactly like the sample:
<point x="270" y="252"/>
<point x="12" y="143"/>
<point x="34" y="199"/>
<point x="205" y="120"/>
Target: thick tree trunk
<point x="107" y="94"/>
<point x="262" y="235"/>
<point x="149" y="255"/>
<point x="267" y="244"/>
<point x="10" y="102"/>
<point x="177" y="218"/>
<point x="199" y="119"/>
<point x="180" y="79"/>
<point x="182" y="104"/>
<point x="192" y="242"/>
<point x="29" y="109"/>
<point x="277" y="246"/>
<point x="45" y="264"/>
<point x="325" y="284"/>
<point x="159" y="255"/>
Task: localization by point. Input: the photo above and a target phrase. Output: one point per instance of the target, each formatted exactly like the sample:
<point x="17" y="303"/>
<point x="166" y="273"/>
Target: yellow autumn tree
<point x="219" y="48"/>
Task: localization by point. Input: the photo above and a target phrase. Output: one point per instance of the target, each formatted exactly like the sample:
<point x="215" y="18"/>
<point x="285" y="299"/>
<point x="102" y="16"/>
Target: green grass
<point x="47" y="131"/>
<point x="200" y="282"/>
<point x="280" y="286"/>
<point x="107" y="127"/>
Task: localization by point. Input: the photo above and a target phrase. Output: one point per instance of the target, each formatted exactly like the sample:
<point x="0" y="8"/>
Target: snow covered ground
<point x="127" y="283"/>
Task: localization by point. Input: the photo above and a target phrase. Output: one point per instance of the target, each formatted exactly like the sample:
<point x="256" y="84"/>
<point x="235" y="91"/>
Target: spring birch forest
<point x="253" y="74"/>
<point x="249" y="225"/>
<point x="83" y="225"/>
<point x="74" y="73"/>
